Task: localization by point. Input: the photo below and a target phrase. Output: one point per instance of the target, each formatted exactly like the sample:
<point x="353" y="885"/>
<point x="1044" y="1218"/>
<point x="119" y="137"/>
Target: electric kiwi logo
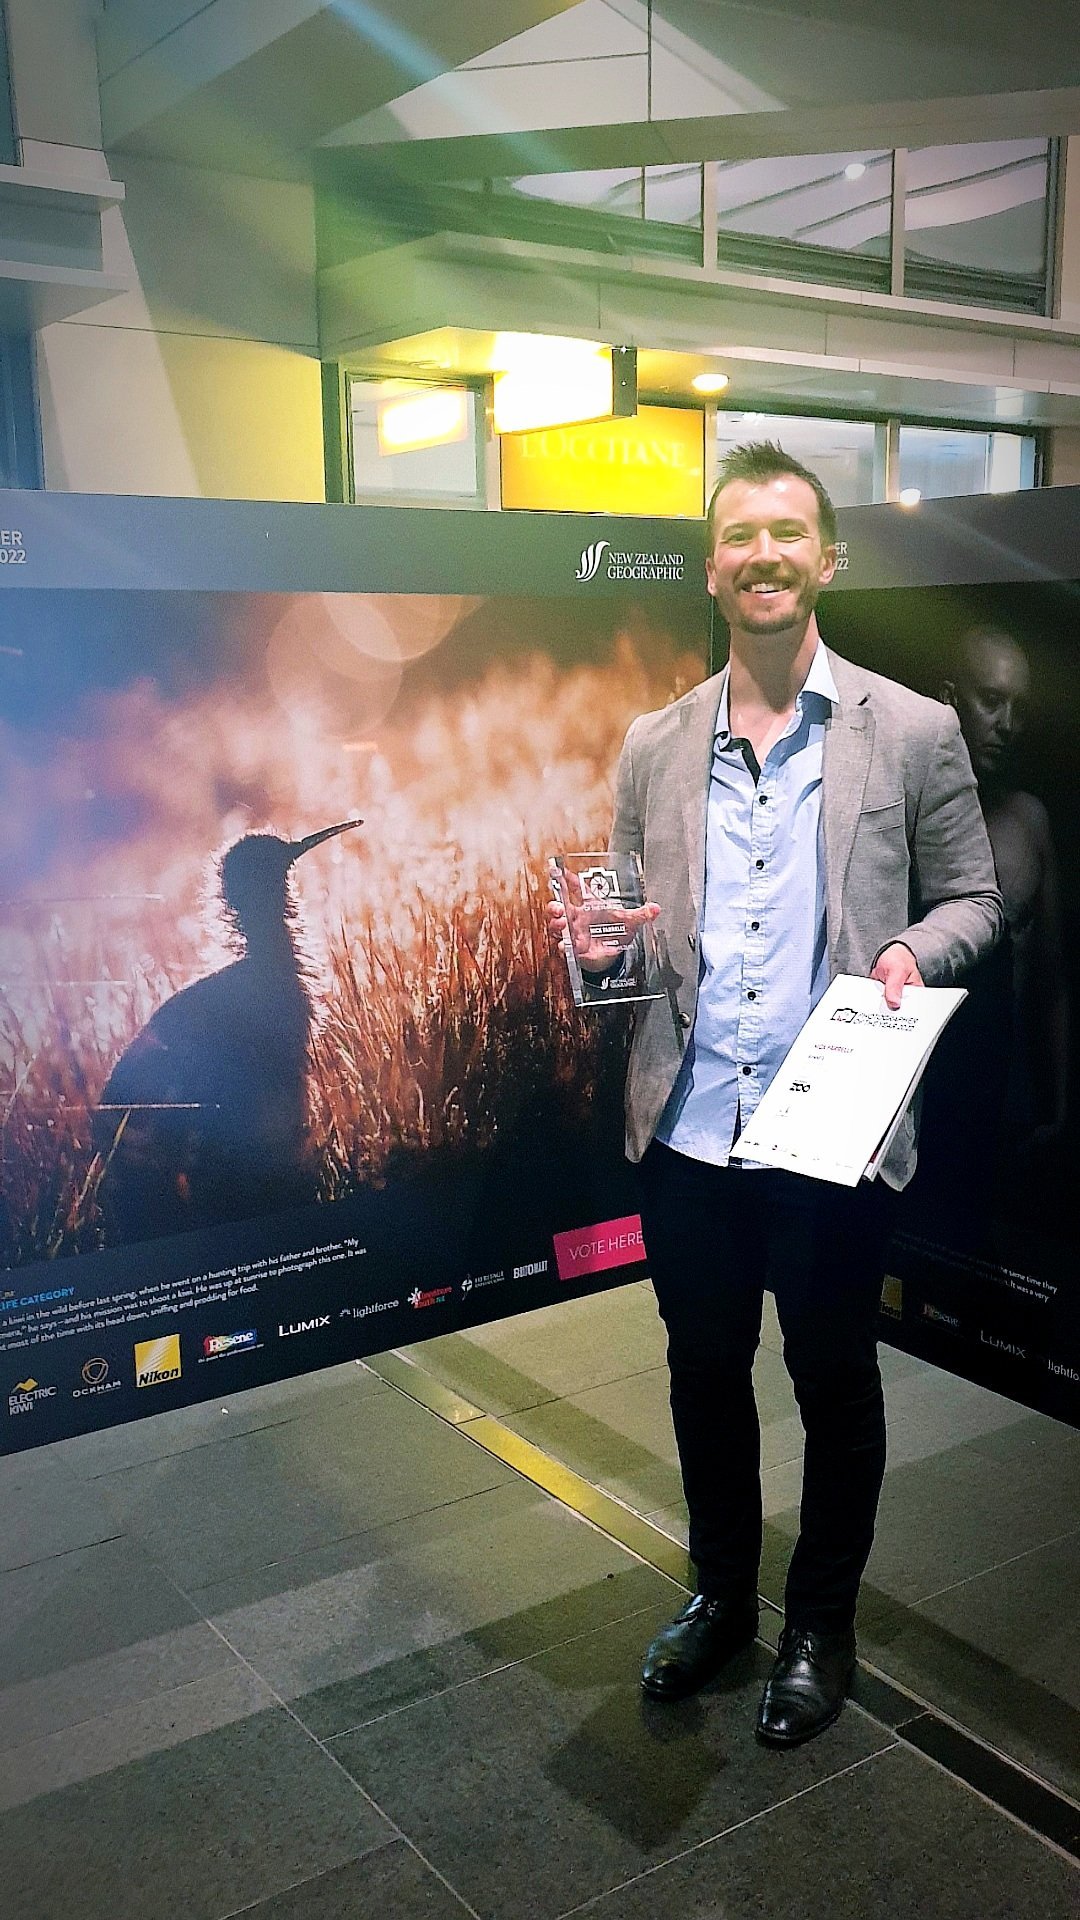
<point x="157" y="1361"/>
<point x="589" y="565"/>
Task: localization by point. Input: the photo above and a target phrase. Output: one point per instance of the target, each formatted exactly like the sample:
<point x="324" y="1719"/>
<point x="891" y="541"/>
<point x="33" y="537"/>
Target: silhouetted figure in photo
<point x="204" y="1117"/>
<point x="990" y="692"/>
<point x="997" y="1093"/>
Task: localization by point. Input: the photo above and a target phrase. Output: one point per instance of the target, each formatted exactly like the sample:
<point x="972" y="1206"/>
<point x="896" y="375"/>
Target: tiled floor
<point x="316" y="1651"/>
<point x="970" y="1596"/>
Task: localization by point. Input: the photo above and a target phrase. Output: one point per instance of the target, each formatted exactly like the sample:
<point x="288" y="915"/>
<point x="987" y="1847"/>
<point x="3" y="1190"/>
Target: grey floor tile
<point x="44" y="1511"/>
<point x="391" y="1883"/>
<point x="895" y="1839"/>
<point x="362" y="1628"/>
<point x="288" y="1489"/>
<point x="617" y="1436"/>
<point x="551" y="1781"/>
<point x="1001" y="1654"/>
<point x="558" y="1350"/>
<point x="93" y="1602"/>
<point x="145" y="1721"/>
<point x="108" y="1682"/>
<point x="180" y="1428"/>
<point x="1032" y="1438"/>
<point x="931" y="1411"/>
<point x="949" y="1517"/>
<point x="217" y="1823"/>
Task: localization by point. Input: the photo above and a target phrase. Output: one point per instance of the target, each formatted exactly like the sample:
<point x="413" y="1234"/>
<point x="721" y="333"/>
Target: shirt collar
<point x="819" y="682"/>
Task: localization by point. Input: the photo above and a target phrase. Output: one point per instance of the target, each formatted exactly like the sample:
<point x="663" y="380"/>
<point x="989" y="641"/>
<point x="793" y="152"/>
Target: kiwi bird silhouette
<point x="203" y="1119"/>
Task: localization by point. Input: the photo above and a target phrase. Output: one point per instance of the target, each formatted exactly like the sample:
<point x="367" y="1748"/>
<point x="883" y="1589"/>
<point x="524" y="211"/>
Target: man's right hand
<point x="620" y="925"/>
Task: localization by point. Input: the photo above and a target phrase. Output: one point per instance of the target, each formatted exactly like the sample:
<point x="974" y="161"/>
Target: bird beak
<point x="316" y="839"/>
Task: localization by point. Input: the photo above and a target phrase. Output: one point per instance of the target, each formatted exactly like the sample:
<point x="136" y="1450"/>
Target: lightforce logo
<point x="157" y="1361"/>
<point x="26" y="1396"/>
<point x="892" y="1022"/>
<point x="628" y="566"/>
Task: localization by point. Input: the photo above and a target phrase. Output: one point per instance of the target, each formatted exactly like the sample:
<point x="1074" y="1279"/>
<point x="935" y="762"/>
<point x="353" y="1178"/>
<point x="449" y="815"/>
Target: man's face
<point x="990" y="696"/>
<point x="768" y="565"/>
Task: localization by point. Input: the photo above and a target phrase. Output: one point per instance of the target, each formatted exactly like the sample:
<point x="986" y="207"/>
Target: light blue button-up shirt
<point x="762" y="941"/>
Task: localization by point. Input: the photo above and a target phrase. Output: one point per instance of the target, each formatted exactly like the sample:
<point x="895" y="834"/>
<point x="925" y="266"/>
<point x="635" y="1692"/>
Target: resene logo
<point x="157" y="1361"/>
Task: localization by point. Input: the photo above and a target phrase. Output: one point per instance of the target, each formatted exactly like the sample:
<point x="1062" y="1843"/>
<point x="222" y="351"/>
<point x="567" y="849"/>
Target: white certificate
<point x="834" y="1107"/>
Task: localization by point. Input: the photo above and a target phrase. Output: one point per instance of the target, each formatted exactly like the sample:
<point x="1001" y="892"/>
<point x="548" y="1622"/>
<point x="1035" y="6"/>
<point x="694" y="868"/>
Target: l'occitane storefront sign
<point x="653" y="463"/>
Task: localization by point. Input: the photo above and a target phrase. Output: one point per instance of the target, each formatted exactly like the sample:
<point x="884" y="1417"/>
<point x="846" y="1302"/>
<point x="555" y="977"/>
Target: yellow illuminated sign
<point x="431" y="418"/>
<point x="653" y="463"/>
<point x="542" y="380"/>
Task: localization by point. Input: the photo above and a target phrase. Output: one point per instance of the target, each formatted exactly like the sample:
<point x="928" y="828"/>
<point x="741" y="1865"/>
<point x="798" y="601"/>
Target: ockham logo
<point x="628" y="566"/>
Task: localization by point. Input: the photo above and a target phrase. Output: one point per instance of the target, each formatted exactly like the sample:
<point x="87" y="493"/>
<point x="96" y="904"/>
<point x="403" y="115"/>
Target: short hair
<point x="758" y="461"/>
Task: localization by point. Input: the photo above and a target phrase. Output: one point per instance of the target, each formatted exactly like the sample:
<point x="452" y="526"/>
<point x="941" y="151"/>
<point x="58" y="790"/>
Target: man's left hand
<point x="896" y="969"/>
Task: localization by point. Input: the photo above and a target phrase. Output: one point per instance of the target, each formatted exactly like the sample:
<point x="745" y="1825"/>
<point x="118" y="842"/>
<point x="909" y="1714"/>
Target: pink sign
<point x="615" y="1243"/>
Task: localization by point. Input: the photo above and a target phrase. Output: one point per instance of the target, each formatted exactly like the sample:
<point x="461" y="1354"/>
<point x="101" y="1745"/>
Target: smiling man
<point x="797" y="817"/>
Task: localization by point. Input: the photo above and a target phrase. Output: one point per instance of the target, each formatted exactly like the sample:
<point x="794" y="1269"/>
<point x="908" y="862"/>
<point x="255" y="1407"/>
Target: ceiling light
<point x="544" y="381"/>
<point x="909" y="496"/>
<point x="429" y="418"/>
<point x="710" y="382"/>
<point x="855" y="170"/>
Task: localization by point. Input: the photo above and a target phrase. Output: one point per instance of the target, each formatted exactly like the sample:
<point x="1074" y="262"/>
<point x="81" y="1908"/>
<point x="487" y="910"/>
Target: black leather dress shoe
<point x="805" y="1690"/>
<point x="696" y="1644"/>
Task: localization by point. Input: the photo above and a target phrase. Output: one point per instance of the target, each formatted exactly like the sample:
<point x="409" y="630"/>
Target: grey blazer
<point x="906" y="858"/>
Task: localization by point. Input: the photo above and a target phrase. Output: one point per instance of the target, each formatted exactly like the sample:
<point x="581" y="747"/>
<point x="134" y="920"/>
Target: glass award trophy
<point x="610" y="945"/>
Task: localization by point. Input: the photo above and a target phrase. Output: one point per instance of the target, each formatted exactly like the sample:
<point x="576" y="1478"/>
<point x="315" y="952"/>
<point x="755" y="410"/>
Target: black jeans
<point x="716" y="1238"/>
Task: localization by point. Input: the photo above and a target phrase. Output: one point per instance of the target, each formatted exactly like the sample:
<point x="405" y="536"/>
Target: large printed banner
<point x="288" y="1073"/>
<point x="977" y="602"/>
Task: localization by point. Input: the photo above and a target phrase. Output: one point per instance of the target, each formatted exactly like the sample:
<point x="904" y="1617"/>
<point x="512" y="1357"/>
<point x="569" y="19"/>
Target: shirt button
<point x="759" y="864"/>
<point x="684" y="1019"/>
<point x="748" y="1069"/>
<point x="754" y="925"/>
<point x="763" y="799"/>
<point x="751" y="995"/>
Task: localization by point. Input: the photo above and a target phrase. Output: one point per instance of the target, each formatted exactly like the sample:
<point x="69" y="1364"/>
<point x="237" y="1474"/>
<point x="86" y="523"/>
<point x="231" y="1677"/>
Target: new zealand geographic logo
<point x="589" y="564"/>
<point x="629" y="566"/>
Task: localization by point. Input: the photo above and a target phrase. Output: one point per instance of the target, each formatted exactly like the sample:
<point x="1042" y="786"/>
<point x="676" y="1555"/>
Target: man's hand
<point x="896" y="969"/>
<point x="620" y="925"/>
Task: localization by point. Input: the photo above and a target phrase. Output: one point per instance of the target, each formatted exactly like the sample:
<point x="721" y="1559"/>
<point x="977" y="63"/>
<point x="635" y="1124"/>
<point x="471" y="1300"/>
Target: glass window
<point x="975" y="218"/>
<point x="673" y="195"/>
<point x="839" y="201"/>
<point x="601" y="190"/>
<point x="944" y="461"/>
<point x="840" y="452"/>
<point x="385" y="466"/>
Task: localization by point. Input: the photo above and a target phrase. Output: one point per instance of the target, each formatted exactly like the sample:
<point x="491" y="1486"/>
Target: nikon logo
<point x="157" y="1361"/>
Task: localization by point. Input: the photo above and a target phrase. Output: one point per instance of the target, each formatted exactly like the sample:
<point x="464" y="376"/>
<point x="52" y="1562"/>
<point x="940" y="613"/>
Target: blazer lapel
<point x="698" y="733"/>
<point x="849" y="744"/>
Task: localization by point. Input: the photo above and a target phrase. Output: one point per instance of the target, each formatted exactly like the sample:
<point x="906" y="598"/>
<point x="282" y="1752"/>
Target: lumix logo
<point x="304" y="1326"/>
<point x="628" y="566"/>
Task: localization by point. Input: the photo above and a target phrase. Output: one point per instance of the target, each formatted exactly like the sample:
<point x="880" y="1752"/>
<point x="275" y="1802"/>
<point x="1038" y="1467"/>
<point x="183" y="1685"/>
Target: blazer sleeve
<point x="962" y="914"/>
<point x="628" y="823"/>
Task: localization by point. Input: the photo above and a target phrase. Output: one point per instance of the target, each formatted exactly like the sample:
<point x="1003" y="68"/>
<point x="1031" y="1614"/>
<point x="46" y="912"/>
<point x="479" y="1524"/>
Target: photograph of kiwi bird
<point x="204" y="1117"/>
